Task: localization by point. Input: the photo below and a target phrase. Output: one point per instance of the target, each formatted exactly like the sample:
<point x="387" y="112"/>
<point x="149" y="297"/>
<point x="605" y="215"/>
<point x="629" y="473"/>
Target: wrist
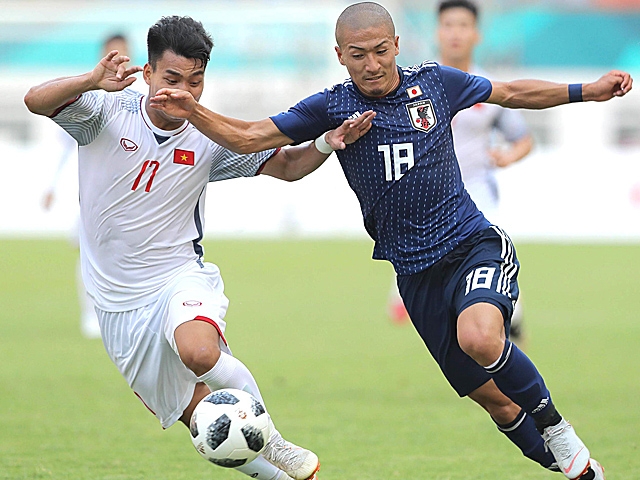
<point x="322" y="146"/>
<point x="576" y="92"/>
<point x="88" y="82"/>
<point x="198" y="112"/>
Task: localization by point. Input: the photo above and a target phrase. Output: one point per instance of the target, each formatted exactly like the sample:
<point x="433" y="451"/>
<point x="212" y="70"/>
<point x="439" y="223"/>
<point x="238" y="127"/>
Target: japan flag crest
<point x="422" y="115"/>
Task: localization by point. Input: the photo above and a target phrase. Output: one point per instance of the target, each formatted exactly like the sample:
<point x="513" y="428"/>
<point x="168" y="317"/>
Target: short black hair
<point x="113" y="37"/>
<point x="447" y="4"/>
<point x="183" y="36"/>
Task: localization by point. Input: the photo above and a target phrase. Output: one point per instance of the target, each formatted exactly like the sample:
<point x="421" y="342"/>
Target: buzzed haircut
<point x="363" y="15"/>
<point x="466" y="4"/>
<point x="184" y="36"/>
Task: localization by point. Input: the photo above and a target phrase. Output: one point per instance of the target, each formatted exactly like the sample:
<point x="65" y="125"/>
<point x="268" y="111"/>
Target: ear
<point x="339" y="53"/>
<point x="146" y="73"/>
<point x="396" y="43"/>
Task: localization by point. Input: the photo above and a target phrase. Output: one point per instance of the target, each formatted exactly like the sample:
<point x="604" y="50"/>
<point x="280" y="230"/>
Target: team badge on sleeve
<point x="184" y="157"/>
<point x="422" y="115"/>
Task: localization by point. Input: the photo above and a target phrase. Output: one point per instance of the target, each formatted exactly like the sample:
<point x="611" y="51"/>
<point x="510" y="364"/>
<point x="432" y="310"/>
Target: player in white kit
<point x="142" y="178"/>
<point x="89" y="326"/>
<point x="486" y="136"/>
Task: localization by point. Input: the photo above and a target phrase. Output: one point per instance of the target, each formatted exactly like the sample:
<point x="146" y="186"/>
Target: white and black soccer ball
<point x="230" y="427"/>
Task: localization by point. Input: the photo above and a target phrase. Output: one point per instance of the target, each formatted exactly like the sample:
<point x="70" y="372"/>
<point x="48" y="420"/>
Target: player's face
<point x="457" y="34"/>
<point x="370" y="58"/>
<point x="174" y="71"/>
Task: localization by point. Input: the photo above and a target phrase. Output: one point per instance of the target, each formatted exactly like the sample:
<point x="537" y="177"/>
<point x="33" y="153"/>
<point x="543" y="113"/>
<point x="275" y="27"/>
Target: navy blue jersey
<point x="404" y="170"/>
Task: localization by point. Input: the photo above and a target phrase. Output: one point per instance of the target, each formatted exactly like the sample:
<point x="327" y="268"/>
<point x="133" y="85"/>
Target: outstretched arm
<point x="538" y="94"/>
<point x="293" y="163"/>
<point x="111" y="74"/>
<point x="237" y="135"/>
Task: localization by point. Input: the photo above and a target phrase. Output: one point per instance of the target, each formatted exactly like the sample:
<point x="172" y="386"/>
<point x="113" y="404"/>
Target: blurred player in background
<point x="486" y="137"/>
<point x="69" y="148"/>
<point x="457" y="272"/>
<point x="143" y="176"/>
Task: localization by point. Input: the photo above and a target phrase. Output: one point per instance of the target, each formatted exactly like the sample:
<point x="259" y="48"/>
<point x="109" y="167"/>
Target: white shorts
<point x="142" y="345"/>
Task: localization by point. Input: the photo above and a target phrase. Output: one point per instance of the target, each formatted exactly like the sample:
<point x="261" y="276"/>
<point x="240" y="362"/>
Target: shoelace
<point x="283" y="454"/>
<point x="561" y="448"/>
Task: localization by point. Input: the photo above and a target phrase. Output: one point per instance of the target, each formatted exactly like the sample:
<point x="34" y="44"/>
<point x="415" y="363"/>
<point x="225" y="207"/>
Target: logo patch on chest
<point x="422" y="115"/>
<point x="128" y="145"/>
<point x="414" y="92"/>
<point x="184" y="157"/>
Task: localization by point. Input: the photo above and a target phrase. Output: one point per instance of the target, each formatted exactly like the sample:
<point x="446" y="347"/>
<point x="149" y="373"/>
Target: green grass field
<point x="308" y="318"/>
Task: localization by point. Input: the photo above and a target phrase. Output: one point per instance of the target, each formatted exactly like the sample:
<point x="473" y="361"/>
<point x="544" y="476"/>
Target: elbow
<point x="29" y="101"/>
<point x="292" y="175"/>
<point x="510" y="99"/>
<point x="243" y="148"/>
<point x="513" y="96"/>
<point x="245" y="144"/>
<point x="252" y="144"/>
<point x="254" y="139"/>
<point x="33" y="101"/>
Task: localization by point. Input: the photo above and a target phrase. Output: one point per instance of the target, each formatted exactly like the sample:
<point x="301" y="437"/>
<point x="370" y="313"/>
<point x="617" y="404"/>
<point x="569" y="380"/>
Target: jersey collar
<point x="153" y="128"/>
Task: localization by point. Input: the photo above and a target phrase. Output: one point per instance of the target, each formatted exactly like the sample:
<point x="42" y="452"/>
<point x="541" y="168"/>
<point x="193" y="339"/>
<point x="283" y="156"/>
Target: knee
<point x="481" y="345"/>
<point x="200" y="357"/>
<point x="481" y="336"/>
<point x="198" y="346"/>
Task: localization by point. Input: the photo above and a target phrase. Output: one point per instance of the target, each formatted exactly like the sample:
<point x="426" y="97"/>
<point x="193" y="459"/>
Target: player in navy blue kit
<point x="457" y="273"/>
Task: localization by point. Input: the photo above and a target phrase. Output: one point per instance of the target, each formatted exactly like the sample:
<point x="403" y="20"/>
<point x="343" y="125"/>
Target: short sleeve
<point x="463" y="89"/>
<point x="306" y="120"/>
<point x="511" y="124"/>
<point x="226" y="164"/>
<point x="85" y="117"/>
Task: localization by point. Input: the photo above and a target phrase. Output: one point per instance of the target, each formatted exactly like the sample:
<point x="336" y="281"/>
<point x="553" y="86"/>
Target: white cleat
<point x="597" y="469"/>
<point x="297" y="462"/>
<point x="571" y="454"/>
<point x="283" y="476"/>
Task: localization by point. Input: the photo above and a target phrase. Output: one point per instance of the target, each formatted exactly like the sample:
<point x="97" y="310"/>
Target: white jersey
<point x="473" y="136"/>
<point x="142" y="193"/>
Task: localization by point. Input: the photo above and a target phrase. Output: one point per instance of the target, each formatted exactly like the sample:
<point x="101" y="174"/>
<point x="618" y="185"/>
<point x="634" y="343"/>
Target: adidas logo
<point x="354" y="116"/>
<point x="542" y="406"/>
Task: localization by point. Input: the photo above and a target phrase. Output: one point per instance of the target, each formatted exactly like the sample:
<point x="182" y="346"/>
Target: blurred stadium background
<point x="322" y="302"/>
<point x="582" y="181"/>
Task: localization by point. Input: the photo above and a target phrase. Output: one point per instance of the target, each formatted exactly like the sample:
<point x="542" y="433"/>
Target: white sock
<point x="261" y="469"/>
<point x="229" y="372"/>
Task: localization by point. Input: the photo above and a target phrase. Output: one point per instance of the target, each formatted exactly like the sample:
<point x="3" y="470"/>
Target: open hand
<point x="175" y="103"/>
<point x="112" y="73"/>
<point x="350" y="131"/>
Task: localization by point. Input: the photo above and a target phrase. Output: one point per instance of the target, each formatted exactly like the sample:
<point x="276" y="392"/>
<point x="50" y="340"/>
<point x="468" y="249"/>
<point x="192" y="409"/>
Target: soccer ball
<point x="230" y="427"/>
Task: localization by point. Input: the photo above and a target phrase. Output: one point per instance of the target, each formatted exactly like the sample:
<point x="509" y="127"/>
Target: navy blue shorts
<point x="482" y="269"/>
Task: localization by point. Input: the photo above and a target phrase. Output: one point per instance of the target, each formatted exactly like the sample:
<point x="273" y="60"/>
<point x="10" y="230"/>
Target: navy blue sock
<point x="523" y="433"/>
<point x="518" y="378"/>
